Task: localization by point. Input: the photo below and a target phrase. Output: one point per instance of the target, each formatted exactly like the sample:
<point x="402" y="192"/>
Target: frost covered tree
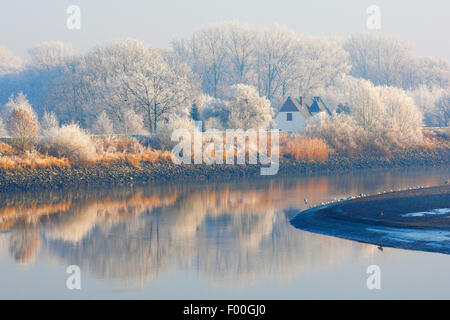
<point x="275" y="60"/>
<point x="382" y="118"/>
<point x="3" y="132"/>
<point x="206" y="52"/>
<point x="133" y="74"/>
<point x="243" y="108"/>
<point x="318" y="63"/>
<point x="247" y="109"/>
<point x="131" y="123"/>
<point x="382" y="59"/>
<point x="50" y="54"/>
<point x="217" y="109"/>
<point x="49" y="121"/>
<point x="427" y="99"/>
<point x="364" y="102"/>
<point x="21" y="120"/>
<point x="241" y="42"/>
<point x="443" y="106"/>
<point x="103" y="124"/>
<point x="404" y="121"/>
<point x="8" y="62"/>
<point x="194" y="114"/>
<point x="430" y="72"/>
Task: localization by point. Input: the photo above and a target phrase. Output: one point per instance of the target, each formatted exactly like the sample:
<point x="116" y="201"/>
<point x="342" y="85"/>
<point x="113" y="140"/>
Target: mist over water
<point x="213" y="240"/>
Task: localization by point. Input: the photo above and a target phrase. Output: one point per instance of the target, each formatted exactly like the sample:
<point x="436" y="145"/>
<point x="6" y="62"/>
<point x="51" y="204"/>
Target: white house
<point x="294" y="113"/>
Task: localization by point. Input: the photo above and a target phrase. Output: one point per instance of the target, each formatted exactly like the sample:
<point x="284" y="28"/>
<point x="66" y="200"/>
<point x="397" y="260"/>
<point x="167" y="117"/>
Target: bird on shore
<point x="306" y="201"/>
<point x="380" y="248"/>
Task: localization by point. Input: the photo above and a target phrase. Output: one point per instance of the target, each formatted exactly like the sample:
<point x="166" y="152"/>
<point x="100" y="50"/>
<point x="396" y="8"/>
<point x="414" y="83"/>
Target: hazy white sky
<point x="25" y="23"/>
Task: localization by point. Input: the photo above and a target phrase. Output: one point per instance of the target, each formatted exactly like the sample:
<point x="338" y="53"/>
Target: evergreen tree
<point x="195" y="115"/>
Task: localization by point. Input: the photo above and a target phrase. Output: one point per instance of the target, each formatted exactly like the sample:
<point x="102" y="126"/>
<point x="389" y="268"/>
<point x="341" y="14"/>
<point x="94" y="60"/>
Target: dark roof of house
<point x="306" y="106"/>
<point x="289" y="106"/>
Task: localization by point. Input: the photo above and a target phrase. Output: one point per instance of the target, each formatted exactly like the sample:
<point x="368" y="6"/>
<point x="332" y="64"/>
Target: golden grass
<point x="433" y="139"/>
<point x="31" y="161"/>
<point x="125" y="150"/>
<point x="6" y="149"/>
<point x="133" y="159"/>
<point x="304" y="148"/>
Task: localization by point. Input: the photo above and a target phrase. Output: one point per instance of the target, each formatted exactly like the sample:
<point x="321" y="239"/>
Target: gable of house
<point x="317" y="105"/>
<point x="295" y="111"/>
<point x="289" y="106"/>
<point x="306" y="106"/>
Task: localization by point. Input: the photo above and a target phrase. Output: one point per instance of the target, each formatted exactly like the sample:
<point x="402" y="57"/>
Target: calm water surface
<point x="210" y="241"/>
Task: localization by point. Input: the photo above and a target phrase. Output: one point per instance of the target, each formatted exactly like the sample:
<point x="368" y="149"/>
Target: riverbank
<point x="124" y="173"/>
<point x="417" y="219"/>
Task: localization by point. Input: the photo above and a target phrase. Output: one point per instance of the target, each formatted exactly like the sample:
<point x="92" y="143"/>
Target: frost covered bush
<point x="49" y="121"/>
<point x="244" y="108"/>
<point x="431" y="101"/>
<point x="103" y="125"/>
<point x="377" y="119"/>
<point x="130" y="123"/>
<point x="69" y="141"/>
<point x="216" y="112"/>
<point x="340" y="131"/>
<point x="248" y="109"/>
<point x="3" y="132"/>
<point x="163" y="139"/>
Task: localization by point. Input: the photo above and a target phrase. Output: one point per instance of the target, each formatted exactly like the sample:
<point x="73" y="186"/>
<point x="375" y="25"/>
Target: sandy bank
<point x="416" y="219"/>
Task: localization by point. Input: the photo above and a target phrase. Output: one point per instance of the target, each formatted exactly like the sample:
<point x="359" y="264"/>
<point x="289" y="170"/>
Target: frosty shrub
<point x="340" y="131"/>
<point x="373" y="119"/>
<point x="49" y="121"/>
<point x="162" y="140"/>
<point x="3" y="132"/>
<point x="433" y="102"/>
<point x="21" y="120"/>
<point x="114" y="144"/>
<point x="213" y="123"/>
<point x="244" y="108"/>
<point x="69" y="141"/>
<point x="103" y="125"/>
<point x="217" y="110"/>
<point x="130" y="123"/>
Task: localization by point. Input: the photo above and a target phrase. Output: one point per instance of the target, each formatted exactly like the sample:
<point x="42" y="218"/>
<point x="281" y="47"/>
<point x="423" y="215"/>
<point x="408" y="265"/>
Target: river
<point x="228" y="240"/>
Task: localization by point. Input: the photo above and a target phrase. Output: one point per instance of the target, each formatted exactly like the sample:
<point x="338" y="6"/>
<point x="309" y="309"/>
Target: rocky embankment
<point x="100" y="174"/>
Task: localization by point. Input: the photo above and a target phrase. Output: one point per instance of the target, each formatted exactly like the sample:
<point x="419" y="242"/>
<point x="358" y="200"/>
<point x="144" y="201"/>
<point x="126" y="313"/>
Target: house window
<point x="288" y="116"/>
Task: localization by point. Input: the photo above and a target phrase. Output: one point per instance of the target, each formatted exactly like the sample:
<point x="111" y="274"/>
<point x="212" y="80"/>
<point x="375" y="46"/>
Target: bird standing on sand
<point x="306" y="201"/>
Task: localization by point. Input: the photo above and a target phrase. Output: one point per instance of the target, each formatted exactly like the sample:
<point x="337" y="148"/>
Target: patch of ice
<point x="433" y="237"/>
<point x="430" y="212"/>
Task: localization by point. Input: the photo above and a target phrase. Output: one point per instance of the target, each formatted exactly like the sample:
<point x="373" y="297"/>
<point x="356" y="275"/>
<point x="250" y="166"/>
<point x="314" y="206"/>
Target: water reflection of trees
<point x="230" y="233"/>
